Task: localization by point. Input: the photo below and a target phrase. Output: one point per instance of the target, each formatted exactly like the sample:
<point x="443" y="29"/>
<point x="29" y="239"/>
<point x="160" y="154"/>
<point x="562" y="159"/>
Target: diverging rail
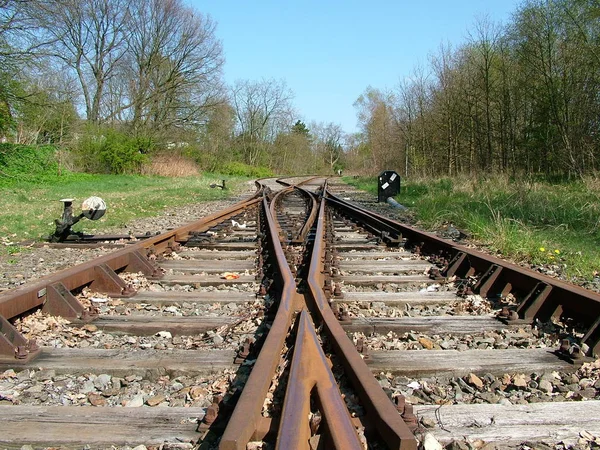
<point x="310" y="377"/>
<point x="540" y="297"/>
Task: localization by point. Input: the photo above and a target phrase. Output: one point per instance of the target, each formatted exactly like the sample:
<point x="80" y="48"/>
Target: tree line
<point x="518" y="98"/>
<point x="116" y="80"/>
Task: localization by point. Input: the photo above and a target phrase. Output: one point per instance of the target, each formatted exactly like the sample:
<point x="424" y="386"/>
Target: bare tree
<point x="88" y="37"/>
<point x="263" y="109"/>
<point x="174" y="65"/>
<point x="375" y="116"/>
<point x="328" y="140"/>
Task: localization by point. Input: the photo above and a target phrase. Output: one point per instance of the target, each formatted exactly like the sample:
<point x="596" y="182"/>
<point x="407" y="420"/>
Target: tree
<point x="375" y="116"/>
<point x="263" y="109"/>
<point x="300" y="128"/>
<point x="87" y="37"/>
<point x="174" y="64"/>
<point x="328" y="140"/>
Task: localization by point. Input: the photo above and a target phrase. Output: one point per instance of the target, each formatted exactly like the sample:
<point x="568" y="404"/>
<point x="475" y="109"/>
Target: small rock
<point x="198" y="391"/>
<point x="96" y="399"/>
<point x="488" y="397"/>
<point x="427" y="422"/>
<point x="587" y="393"/>
<point x="35" y="389"/>
<point x="457" y="445"/>
<point x="378" y="306"/>
<point x="546" y="386"/>
<point x="176" y="386"/>
<point x="101" y="382"/>
<point x="497" y="384"/>
<point x="90" y="327"/>
<point x="10" y="373"/>
<point x="140" y="447"/>
<point x="24" y="375"/>
<point x="164" y="334"/>
<point x="177" y="402"/>
<point x="474" y="380"/>
<point x="88" y="386"/>
<point x="463" y="385"/>
<point x="45" y="375"/>
<point x="156" y="400"/>
<point x="110" y="392"/>
<point x="384" y="383"/>
<point x="426" y="343"/>
<point x="217" y="339"/>
<point x="520" y="381"/>
<point x="135" y="402"/>
<point x="572" y="379"/>
<point x="431" y="443"/>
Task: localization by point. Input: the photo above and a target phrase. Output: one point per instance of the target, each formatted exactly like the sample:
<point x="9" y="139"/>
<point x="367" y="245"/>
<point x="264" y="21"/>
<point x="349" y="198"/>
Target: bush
<point x="239" y="169"/>
<point x="111" y="151"/>
<point x="29" y="163"/>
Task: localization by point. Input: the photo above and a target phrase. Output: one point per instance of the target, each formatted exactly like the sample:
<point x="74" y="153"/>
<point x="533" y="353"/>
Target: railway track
<point x="296" y="319"/>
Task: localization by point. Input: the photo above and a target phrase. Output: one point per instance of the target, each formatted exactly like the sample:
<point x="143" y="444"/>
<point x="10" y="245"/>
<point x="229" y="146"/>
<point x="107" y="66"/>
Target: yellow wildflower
<point x="557" y="251"/>
<point x="542" y="249"/>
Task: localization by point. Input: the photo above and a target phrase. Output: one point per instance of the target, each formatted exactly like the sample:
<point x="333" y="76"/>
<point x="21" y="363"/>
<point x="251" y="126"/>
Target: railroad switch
<point x="92" y="208"/>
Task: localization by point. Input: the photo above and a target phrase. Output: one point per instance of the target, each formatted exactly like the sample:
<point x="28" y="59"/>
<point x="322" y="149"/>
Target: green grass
<point x="529" y="221"/>
<point x="32" y="186"/>
<point x="27" y="210"/>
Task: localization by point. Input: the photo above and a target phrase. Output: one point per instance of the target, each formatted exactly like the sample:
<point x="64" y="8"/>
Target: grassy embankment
<point x="32" y="185"/>
<point x="538" y="222"/>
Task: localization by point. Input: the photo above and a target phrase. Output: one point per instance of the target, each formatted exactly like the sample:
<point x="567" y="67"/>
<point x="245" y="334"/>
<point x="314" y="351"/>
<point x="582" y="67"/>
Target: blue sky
<point x="328" y="52"/>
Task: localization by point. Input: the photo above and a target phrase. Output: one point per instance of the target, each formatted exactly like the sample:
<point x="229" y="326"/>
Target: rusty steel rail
<point x="308" y="224"/>
<point x="381" y="412"/>
<point x="246" y="421"/>
<point x="53" y="292"/>
<point x="305" y="229"/>
<point x="542" y="297"/>
<point x="310" y="373"/>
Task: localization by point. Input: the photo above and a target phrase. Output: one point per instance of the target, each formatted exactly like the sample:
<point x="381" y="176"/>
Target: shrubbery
<point x="111" y="151"/>
<point x="27" y="163"/>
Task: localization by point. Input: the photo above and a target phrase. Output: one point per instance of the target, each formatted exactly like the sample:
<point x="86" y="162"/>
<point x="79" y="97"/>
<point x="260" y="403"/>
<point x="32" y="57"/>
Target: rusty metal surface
<point x="246" y="417"/>
<point x="381" y="412"/>
<point x="21" y="299"/>
<point x="310" y="373"/>
<point x="100" y="274"/>
<point x="562" y="297"/>
<point x="314" y="209"/>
